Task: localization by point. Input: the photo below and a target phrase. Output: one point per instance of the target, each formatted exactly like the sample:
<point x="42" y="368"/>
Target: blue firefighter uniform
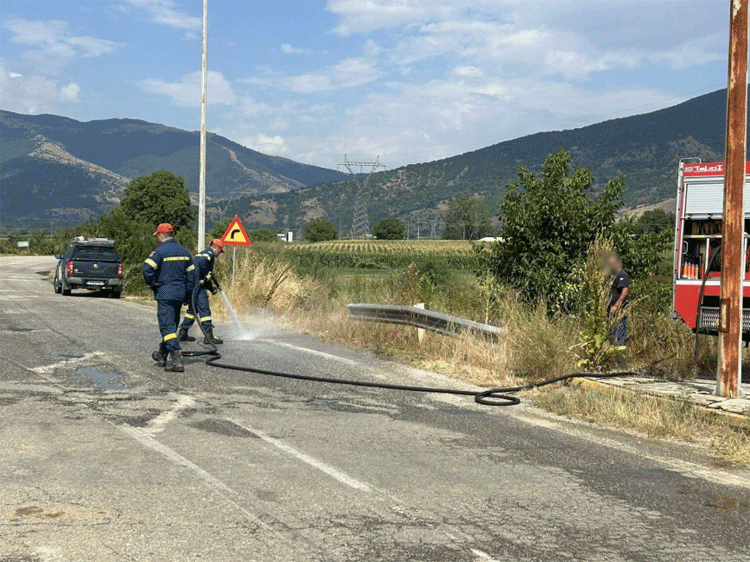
<point x="204" y="268"/>
<point x="170" y="273"/>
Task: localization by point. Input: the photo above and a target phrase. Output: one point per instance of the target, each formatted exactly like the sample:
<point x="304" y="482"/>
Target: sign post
<point x="236" y="235"/>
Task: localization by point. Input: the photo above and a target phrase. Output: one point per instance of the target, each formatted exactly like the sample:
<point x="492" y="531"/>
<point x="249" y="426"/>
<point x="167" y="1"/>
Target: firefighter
<point x="204" y="263"/>
<point x="170" y="273"/>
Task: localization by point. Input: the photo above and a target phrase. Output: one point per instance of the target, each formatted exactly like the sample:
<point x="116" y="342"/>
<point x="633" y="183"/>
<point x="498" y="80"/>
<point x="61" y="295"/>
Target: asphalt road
<point x="105" y="457"/>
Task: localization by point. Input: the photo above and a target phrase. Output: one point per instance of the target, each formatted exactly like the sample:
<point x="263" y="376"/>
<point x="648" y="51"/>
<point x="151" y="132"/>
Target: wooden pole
<point x="732" y="274"/>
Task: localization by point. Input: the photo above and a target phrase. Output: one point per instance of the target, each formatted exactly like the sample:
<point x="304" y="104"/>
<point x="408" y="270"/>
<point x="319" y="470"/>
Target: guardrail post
<point x="420" y="331"/>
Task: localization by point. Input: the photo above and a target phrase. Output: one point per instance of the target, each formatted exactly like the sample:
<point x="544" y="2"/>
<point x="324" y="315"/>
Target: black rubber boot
<point x="183" y="335"/>
<point x="160" y="357"/>
<point x="210" y="338"/>
<point x="174" y="362"/>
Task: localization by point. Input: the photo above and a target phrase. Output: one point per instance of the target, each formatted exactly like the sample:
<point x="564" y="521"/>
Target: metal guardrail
<point x="421" y="318"/>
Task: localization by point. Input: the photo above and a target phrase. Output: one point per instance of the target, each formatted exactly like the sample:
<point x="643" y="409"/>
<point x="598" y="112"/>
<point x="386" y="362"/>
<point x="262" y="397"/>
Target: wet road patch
<point x="105" y="380"/>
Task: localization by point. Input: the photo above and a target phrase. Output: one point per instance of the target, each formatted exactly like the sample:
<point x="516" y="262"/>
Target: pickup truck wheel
<point x="56" y="285"/>
<point x="65" y="289"/>
<point x="116" y="294"/>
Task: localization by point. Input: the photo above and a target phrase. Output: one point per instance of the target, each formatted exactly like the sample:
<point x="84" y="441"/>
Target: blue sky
<point x="409" y="80"/>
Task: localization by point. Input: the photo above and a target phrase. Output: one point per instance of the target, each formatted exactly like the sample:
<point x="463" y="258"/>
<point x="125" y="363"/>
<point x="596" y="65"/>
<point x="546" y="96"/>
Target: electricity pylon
<point x="433" y="228"/>
<point x="360" y="220"/>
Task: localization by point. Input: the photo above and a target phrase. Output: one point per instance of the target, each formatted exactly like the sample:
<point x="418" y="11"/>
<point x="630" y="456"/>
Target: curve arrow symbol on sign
<point x="235" y="234"/>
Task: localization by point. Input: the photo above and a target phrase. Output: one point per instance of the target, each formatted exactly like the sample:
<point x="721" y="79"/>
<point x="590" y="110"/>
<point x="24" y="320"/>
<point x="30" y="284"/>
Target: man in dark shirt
<point x="618" y="300"/>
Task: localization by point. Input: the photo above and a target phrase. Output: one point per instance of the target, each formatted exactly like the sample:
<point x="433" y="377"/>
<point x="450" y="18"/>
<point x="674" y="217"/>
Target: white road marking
<point x="158" y="424"/>
<point x="344" y="478"/>
<point x="481" y="555"/>
<point x="314" y="352"/>
<point x="205" y="477"/>
<point x="687" y="468"/>
<point x="307" y="459"/>
<point x="67" y="362"/>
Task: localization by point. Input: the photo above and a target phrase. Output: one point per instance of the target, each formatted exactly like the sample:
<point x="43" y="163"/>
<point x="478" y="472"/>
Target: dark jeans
<point x="620" y="333"/>
<point x="168" y="314"/>
<point x="203" y="310"/>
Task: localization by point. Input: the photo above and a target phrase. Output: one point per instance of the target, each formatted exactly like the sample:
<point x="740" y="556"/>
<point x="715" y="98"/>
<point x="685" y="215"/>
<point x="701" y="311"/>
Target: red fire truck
<point x="697" y="260"/>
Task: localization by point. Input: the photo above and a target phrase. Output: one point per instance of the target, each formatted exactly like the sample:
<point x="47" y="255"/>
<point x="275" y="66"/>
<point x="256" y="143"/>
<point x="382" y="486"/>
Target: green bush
<point x="389" y="229"/>
<point x="550" y="221"/>
<point x="320" y="230"/>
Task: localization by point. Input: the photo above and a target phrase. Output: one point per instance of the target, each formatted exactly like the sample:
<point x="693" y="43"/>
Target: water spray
<point x="242" y="332"/>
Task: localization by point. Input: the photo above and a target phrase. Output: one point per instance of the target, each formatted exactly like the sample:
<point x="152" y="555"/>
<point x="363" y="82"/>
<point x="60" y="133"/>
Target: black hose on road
<point x="503" y="396"/>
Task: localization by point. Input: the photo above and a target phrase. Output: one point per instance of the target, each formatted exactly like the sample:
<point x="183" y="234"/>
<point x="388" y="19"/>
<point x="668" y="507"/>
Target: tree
<point x="159" y="197"/>
<point x="220" y="227"/>
<point x="389" y="229"/>
<point x="262" y="235"/>
<point x="468" y="219"/>
<point x="655" y="220"/>
<point x="548" y="223"/>
<point x="320" y="230"/>
<point x="134" y="239"/>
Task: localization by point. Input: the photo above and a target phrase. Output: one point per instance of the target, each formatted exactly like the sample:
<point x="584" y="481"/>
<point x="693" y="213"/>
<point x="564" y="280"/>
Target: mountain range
<point x="55" y="167"/>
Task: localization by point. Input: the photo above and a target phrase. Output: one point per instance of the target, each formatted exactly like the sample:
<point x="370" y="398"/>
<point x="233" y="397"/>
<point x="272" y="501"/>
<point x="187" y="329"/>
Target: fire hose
<point x="502" y="396"/>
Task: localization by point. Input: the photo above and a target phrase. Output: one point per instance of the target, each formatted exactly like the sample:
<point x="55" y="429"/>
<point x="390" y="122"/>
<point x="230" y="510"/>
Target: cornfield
<point x="374" y="254"/>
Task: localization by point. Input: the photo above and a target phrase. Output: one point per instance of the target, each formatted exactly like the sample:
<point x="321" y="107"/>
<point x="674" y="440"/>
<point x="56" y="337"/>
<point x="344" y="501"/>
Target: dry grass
<point x="661" y="418"/>
<point x="266" y="283"/>
<point x="466" y="358"/>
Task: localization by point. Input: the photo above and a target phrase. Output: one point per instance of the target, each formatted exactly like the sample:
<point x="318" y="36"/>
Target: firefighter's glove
<point x="208" y="283"/>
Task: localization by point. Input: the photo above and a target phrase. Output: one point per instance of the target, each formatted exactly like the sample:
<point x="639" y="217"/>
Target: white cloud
<point x="56" y="33"/>
<point x="468" y="71"/>
<point x="288" y="49"/>
<point x="35" y="94"/>
<point x="69" y="92"/>
<point x="26" y="32"/>
<point x="186" y="92"/>
<point x="571" y="38"/>
<point x="349" y="73"/>
<point x="363" y="16"/>
<point x="52" y="45"/>
<point x="166" y="12"/>
<point x="266" y="144"/>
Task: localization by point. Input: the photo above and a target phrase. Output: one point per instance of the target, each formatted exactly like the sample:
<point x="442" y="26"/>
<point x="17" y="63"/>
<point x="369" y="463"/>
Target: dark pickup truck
<point x="92" y="264"/>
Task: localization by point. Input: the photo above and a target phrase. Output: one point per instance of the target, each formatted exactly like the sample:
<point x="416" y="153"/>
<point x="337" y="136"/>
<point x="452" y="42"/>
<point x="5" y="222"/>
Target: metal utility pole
<point x="360" y="220"/>
<point x="730" y="321"/>
<point x="202" y="174"/>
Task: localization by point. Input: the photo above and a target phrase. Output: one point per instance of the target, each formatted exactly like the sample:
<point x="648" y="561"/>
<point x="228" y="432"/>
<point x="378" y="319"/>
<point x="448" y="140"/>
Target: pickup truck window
<point x="96" y="253"/>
